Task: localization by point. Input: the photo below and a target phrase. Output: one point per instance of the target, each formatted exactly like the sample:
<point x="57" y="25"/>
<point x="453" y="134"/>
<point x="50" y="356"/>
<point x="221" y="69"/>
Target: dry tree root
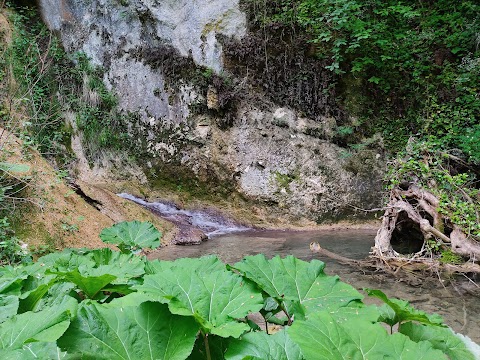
<point x="419" y="207"/>
<point x="316" y="248"/>
<point x="430" y="224"/>
<point x="412" y="271"/>
<point x="412" y="216"/>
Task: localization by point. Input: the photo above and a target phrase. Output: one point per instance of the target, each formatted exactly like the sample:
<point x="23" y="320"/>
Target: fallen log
<point x="316" y="248"/>
<point x="400" y="266"/>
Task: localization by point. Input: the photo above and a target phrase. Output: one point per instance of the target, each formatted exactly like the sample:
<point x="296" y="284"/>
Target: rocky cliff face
<point x="165" y="61"/>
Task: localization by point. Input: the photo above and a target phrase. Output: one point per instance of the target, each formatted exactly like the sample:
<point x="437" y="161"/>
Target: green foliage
<point x="204" y="289"/>
<point x="283" y="181"/>
<point x="146" y="331"/>
<point x="46" y="325"/>
<point x="98" y="118"/>
<point x="448" y="257"/>
<point x="108" y="305"/>
<point x="132" y="236"/>
<point x="50" y="83"/>
<point x="398" y="311"/>
<point x="11" y="250"/>
<point x="441" y="338"/>
<point x="414" y="65"/>
<point x="28" y="62"/>
<point x="8" y="307"/>
<point x="36" y="350"/>
<point x="39" y="84"/>
<point x="346" y="334"/>
<point x="61" y="306"/>
<point x="259" y="345"/>
<point x="447" y="175"/>
<point x="298" y="287"/>
<point x="469" y="144"/>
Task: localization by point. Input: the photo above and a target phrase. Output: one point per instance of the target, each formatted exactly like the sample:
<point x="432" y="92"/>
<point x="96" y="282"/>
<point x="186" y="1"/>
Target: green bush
<point x="416" y="63"/>
<point x="439" y="171"/>
<point x="11" y="250"/>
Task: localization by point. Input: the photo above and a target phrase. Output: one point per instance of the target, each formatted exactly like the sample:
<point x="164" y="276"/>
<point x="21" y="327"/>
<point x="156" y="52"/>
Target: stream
<point x="231" y="242"/>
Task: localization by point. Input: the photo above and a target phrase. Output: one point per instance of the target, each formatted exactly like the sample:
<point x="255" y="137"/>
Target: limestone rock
<point x="271" y="155"/>
<point x="212" y="98"/>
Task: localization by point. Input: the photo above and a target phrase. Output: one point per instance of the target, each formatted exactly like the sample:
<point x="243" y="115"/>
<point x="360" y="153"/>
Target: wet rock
<point x="189" y="236"/>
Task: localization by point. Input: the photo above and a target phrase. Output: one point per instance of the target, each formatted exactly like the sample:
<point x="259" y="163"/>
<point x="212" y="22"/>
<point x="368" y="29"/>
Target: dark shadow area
<point x="407" y="237"/>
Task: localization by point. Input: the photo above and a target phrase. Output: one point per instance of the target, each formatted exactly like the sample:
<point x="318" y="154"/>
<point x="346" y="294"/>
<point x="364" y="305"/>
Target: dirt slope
<point x="49" y="212"/>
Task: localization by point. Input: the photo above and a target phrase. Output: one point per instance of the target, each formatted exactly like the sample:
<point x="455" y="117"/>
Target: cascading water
<point x="209" y="221"/>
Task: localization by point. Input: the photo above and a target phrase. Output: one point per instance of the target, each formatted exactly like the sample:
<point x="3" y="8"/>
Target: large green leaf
<point x="299" y="281"/>
<point x="93" y="271"/>
<point x="35" y="351"/>
<point x="259" y="345"/>
<point x="90" y="285"/>
<point x="46" y="325"/>
<point x="148" y="331"/>
<point x="442" y="338"/>
<point x="30" y="299"/>
<point x="11" y="281"/>
<point x="132" y="235"/>
<point x="65" y="261"/>
<point x="56" y="294"/>
<point x="403" y="311"/>
<point x="8" y="306"/>
<point x="345" y="335"/>
<point x="123" y="266"/>
<point x="96" y="263"/>
<point x="203" y="288"/>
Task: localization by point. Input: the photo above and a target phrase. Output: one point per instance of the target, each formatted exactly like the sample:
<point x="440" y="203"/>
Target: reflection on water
<point x="461" y="312"/>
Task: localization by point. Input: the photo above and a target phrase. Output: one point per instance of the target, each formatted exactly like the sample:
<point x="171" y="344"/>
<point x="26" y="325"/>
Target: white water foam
<point x="207" y="221"/>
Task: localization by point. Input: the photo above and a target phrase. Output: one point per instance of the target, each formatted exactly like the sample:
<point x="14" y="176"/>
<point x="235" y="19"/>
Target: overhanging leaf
<point x="90" y="285"/>
<point x="8" y="306"/>
<point x="203" y="288"/>
<point x="327" y="336"/>
<point x="56" y="294"/>
<point x="65" y="261"/>
<point x="10" y="281"/>
<point x="46" y="325"/>
<point x="403" y="311"/>
<point x="94" y="270"/>
<point x="262" y="346"/>
<point x="30" y="299"/>
<point x="95" y="263"/>
<point x="134" y="234"/>
<point x="148" y="331"/>
<point x="296" y="280"/>
<point x="442" y="338"/>
<point x="123" y="266"/>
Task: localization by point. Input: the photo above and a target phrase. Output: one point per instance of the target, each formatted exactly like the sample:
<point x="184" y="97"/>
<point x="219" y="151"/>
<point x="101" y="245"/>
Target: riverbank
<point x="455" y="300"/>
<point x="196" y="224"/>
